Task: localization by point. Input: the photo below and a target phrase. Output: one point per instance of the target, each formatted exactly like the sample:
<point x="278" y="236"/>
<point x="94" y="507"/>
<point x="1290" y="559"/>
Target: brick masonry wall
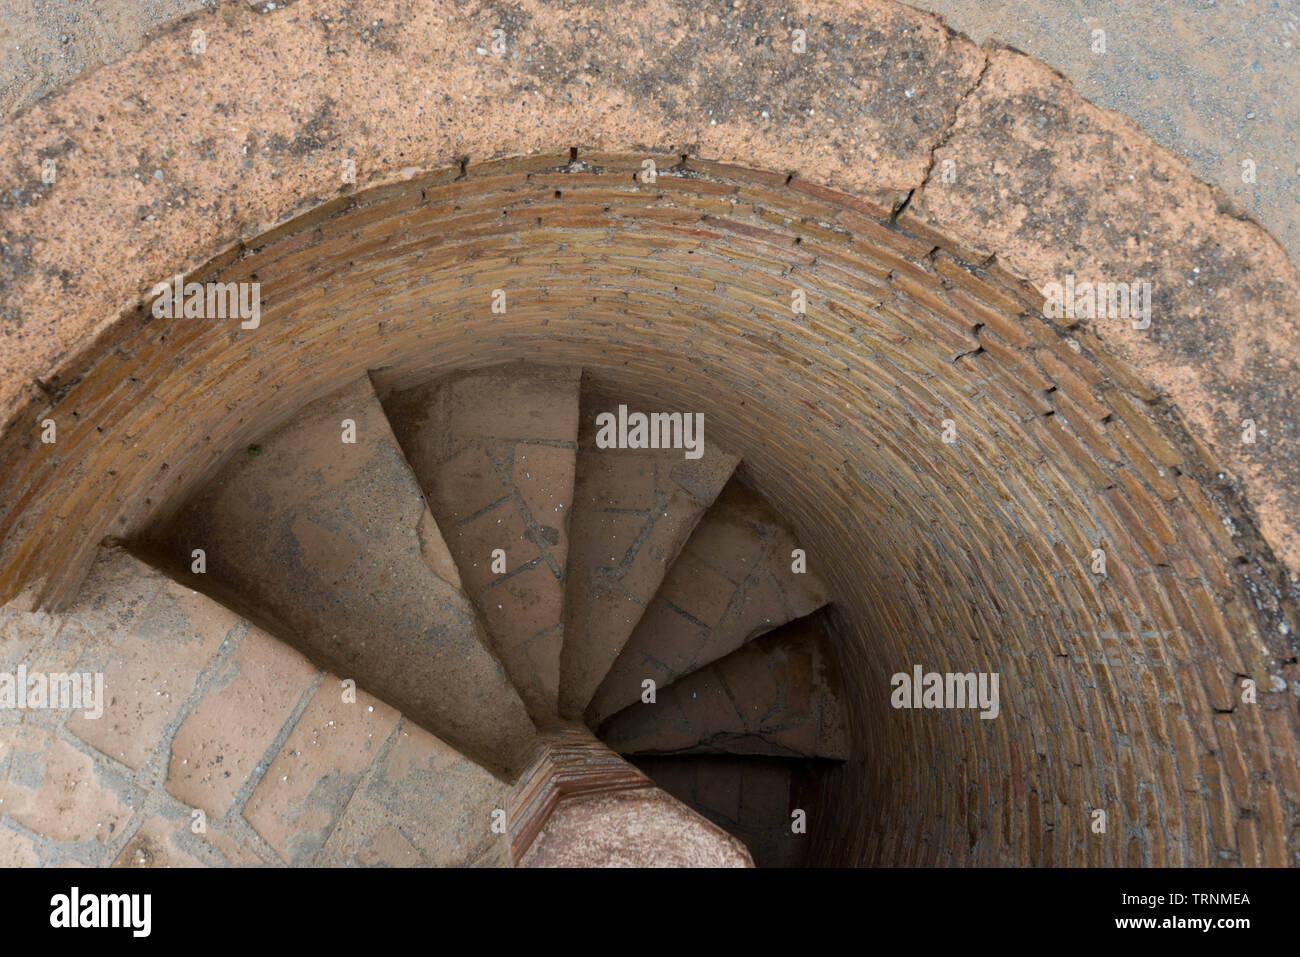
<point x="181" y="153"/>
<point x="1120" y="691"/>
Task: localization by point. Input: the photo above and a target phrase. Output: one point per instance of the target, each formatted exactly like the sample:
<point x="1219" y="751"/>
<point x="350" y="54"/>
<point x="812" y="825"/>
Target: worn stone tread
<point x="732" y="582"/>
<point x="779" y="695"/>
<point x="333" y="545"/>
<point x="494" y="451"/>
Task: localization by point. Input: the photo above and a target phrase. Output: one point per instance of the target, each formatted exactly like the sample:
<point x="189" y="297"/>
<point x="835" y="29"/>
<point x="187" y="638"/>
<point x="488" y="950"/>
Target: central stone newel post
<point x="578" y="804"/>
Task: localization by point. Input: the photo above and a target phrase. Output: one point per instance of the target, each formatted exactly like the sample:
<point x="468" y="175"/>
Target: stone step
<point x="331" y="544"/>
<point x="633" y="510"/>
<point x="732" y="582"/>
<point x="494" y="452"/>
<point x="205" y="712"/>
<point x="778" y="696"/>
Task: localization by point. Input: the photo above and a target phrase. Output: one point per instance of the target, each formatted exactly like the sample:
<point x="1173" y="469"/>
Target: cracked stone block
<point x="494" y="452"/>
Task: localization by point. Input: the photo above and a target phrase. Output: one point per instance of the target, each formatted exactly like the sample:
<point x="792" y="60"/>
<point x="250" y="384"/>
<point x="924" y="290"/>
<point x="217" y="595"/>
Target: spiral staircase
<point x="488" y="582"/>
<point x="330" y="566"/>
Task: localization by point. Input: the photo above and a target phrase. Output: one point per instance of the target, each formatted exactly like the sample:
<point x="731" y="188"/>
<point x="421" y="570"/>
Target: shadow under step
<point x="752" y="798"/>
<point x="779" y="696"/>
<point x="733" y="581"/>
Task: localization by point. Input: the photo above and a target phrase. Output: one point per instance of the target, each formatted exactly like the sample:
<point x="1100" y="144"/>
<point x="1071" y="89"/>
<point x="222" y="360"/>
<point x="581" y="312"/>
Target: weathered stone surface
<point x="494" y="452"/>
<point x="218" y="746"/>
<point x="778" y="695"/>
<point x="283" y="767"/>
<point x="58" y="791"/>
<point x="310" y="783"/>
<point x="167" y="839"/>
<point x="331" y="542"/>
<point x="151" y="671"/>
<point x="421" y="804"/>
<point x="733" y="581"/>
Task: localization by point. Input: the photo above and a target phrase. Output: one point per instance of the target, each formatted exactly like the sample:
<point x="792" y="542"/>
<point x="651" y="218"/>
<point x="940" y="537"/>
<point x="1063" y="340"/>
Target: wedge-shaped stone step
<point x="779" y="695"/>
<point x="322" y="532"/>
<point x="734" y="581"/>
<point x="494" y="451"/>
<point x="633" y="510"/>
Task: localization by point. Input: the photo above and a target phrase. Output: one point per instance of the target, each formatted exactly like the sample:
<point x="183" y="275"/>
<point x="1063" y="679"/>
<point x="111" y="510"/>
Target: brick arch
<point x="1120" y="690"/>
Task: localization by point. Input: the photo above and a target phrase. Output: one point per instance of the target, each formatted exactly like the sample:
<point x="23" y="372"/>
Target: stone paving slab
<point x="265" y="760"/>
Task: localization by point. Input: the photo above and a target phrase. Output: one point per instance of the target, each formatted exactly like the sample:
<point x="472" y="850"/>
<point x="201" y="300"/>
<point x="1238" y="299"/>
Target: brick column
<point x="578" y="804"/>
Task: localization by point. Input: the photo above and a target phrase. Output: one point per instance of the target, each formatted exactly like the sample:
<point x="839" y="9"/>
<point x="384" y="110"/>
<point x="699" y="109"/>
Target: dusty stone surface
<point x="254" y="737"/>
<point x="44" y="45"/>
<point x="90" y="791"/>
<point x="1215" y="110"/>
<point x="323" y="539"/>
<point x="779" y="695"/>
<point x="1213" y="82"/>
<point x="421" y="804"/>
<point x="309" y="785"/>
<point x="733" y="581"/>
<point x="218" y="746"/>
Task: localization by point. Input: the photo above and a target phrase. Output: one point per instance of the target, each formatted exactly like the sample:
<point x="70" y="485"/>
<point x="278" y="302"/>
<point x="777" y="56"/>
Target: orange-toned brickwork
<point x="1122" y="688"/>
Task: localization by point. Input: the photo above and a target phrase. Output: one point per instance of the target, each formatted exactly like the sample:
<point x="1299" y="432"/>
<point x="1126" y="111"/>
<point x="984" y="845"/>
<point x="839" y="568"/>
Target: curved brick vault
<point x="820" y="170"/>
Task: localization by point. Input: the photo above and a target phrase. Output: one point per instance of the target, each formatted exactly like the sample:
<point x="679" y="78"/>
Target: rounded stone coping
<point x="172" y="157"/>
